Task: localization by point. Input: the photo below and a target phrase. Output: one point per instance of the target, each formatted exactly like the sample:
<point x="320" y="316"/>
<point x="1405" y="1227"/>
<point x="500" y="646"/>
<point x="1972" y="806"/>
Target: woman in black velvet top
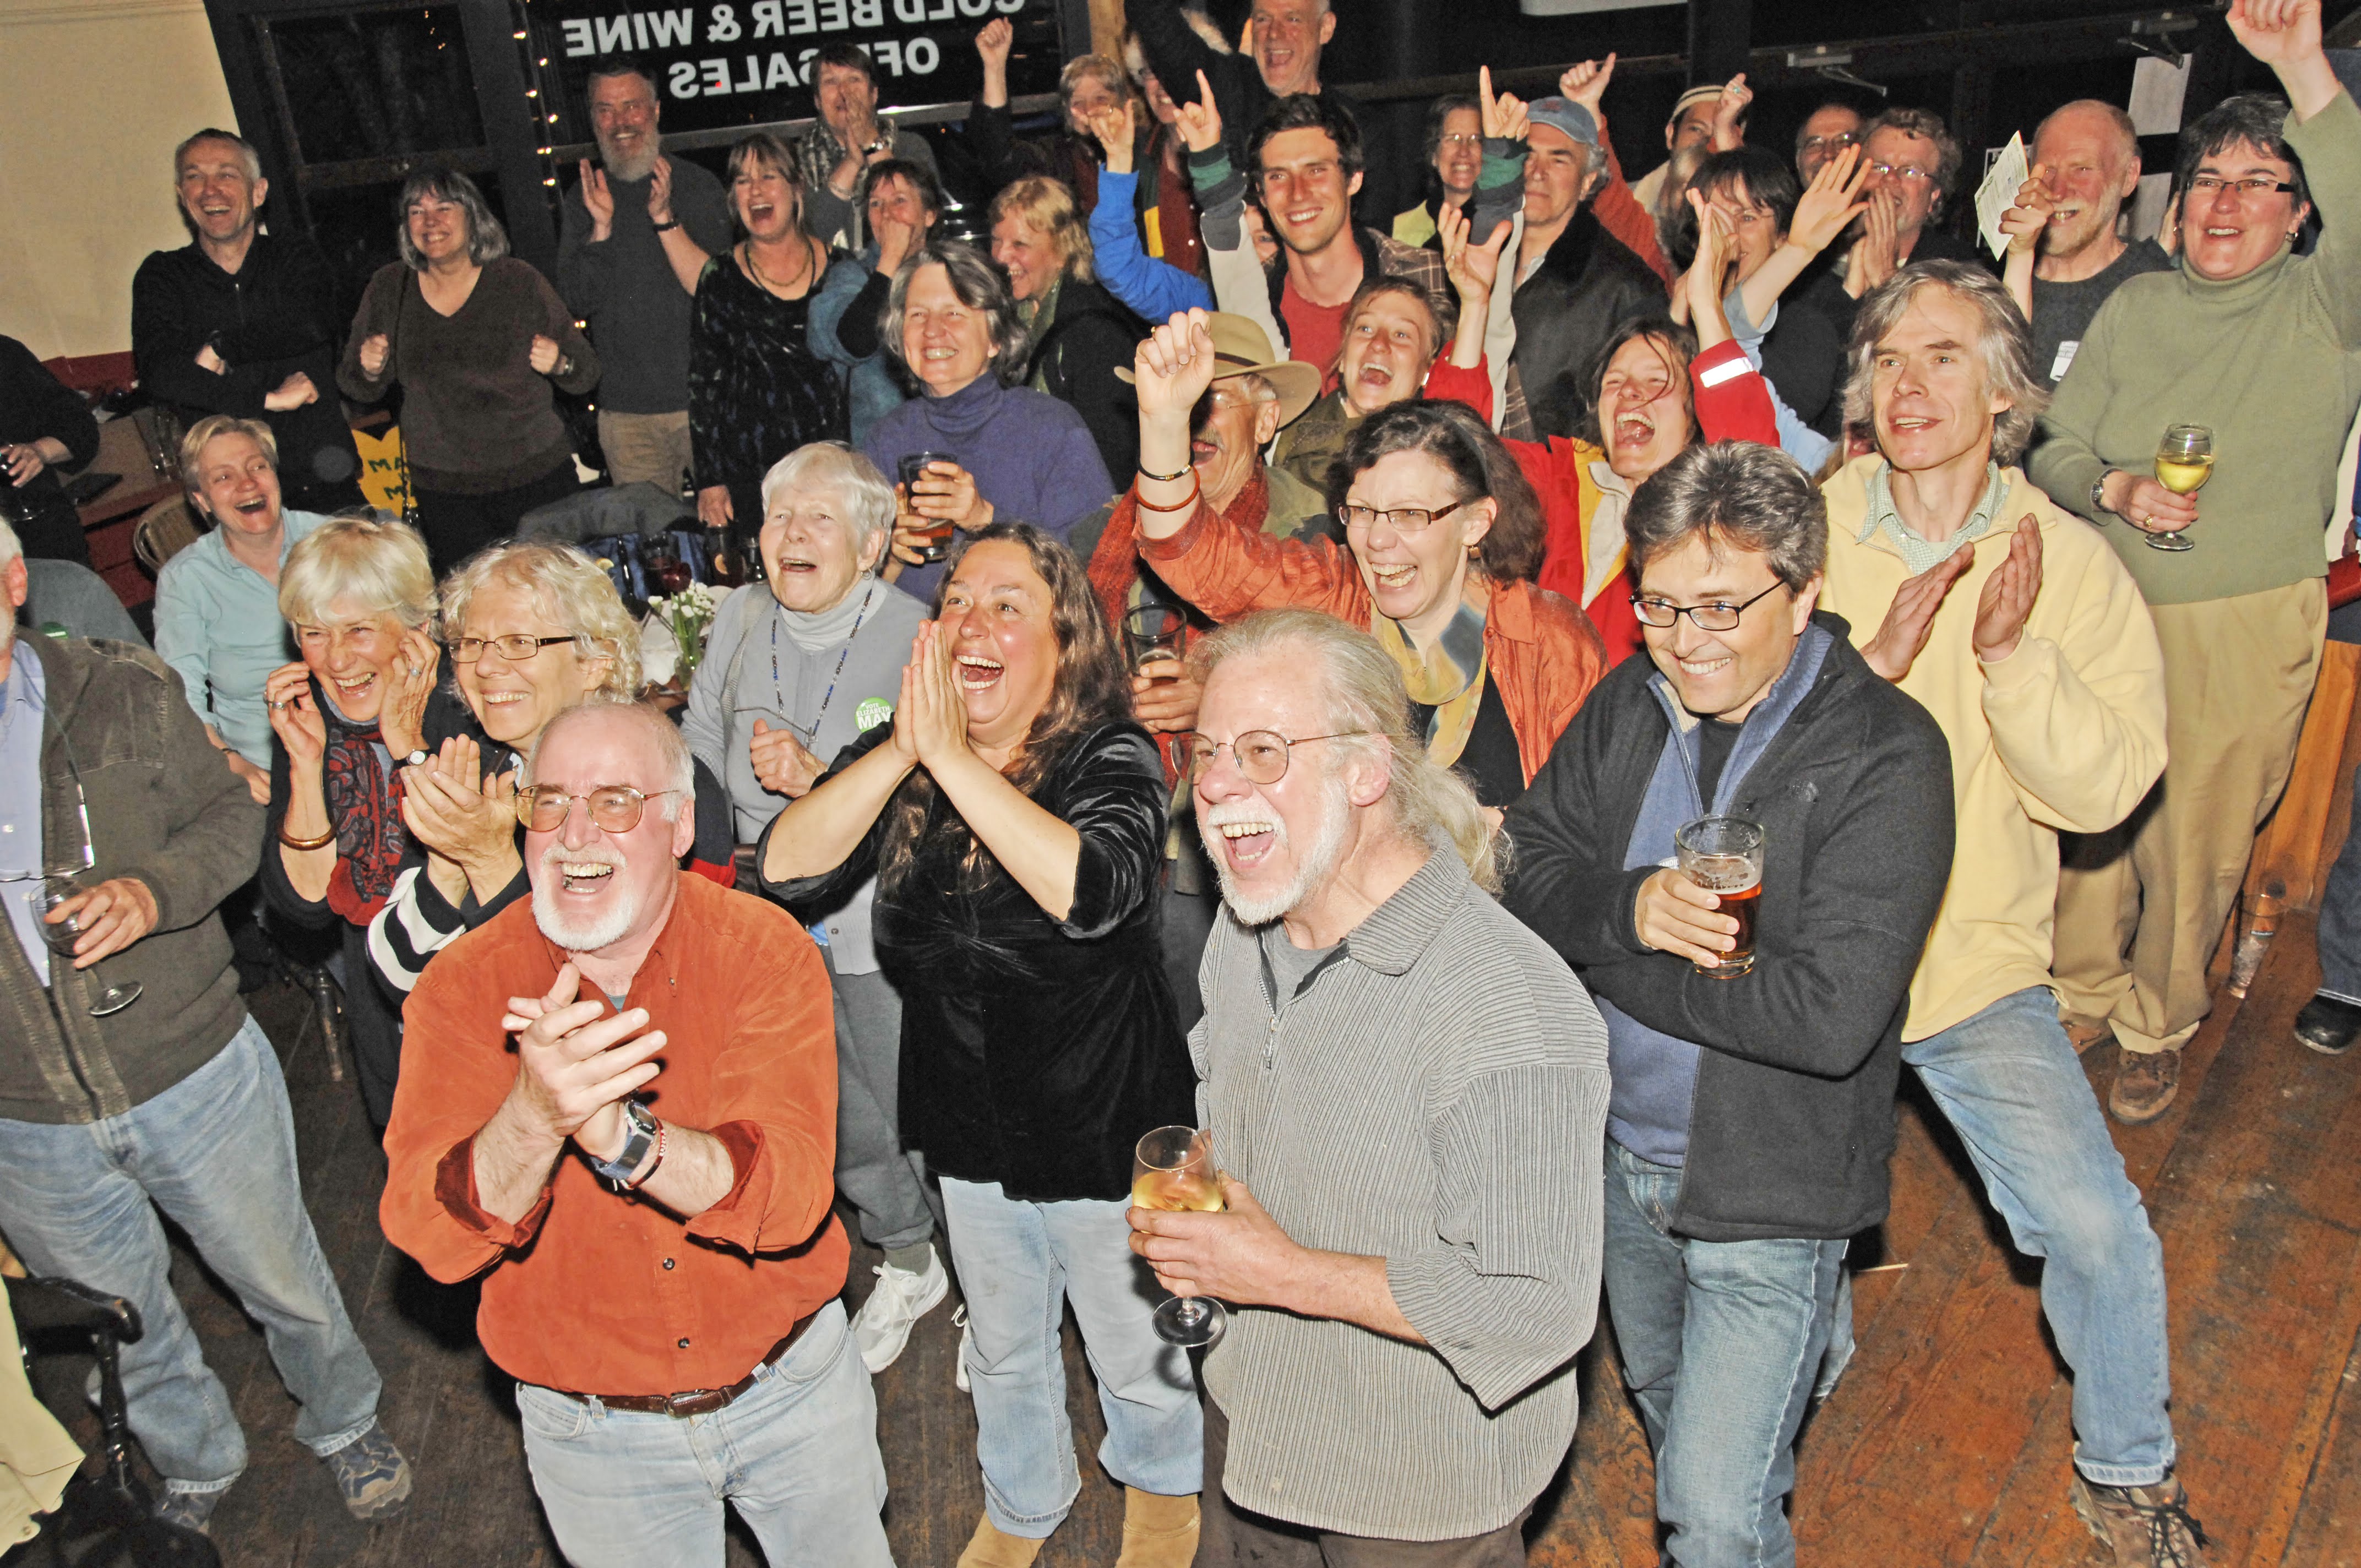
<point x="756" y="392"/>
<point x="1014" y="816"/>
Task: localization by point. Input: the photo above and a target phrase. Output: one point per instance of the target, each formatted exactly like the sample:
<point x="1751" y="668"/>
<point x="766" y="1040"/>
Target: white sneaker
<point x="901" y="1298"/>
<point x="967" y="1337"/>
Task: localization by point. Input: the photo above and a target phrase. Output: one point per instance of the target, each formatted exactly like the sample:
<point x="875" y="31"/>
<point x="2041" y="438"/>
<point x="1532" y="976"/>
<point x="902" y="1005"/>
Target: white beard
<point x="1320" y="860"/>
<point x="588" y="936"/>
<point x="638" y="168"/>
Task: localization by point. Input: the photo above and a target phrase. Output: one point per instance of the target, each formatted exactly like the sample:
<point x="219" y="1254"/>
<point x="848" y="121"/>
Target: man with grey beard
<point x="637" y="233"/>
<point x="1403" y="1088"/>
<point x="660" y="1268"/>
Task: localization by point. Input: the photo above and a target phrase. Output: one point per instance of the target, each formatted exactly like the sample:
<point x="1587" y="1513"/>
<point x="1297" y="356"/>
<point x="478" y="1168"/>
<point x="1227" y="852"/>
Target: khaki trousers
<point x="2140" y="908"/>
<point x="653" y="447"/>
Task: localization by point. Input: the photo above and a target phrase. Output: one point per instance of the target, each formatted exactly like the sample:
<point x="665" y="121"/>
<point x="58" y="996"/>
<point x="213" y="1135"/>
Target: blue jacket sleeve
<point x="1156" y="290"/>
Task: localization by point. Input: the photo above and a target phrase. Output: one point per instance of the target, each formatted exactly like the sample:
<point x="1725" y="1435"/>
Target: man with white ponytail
<point x="1402" y="1087"/>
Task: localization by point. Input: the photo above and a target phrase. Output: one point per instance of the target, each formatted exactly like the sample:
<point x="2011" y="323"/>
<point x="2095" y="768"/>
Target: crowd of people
<point x="1744" y="641"/>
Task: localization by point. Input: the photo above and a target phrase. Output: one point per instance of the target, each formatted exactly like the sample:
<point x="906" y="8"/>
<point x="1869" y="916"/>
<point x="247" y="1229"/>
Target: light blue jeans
<point x="2008" y="1080"/>
<point x="1018" y="1265"/>
<point x="795" y="1455"/>
<point x="216" y="1152"/>
<point x="1722" y="1343"/>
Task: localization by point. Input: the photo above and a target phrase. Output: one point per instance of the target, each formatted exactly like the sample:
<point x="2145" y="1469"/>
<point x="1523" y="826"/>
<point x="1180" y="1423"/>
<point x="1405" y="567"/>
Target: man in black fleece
<point x="1752" y="1119"/>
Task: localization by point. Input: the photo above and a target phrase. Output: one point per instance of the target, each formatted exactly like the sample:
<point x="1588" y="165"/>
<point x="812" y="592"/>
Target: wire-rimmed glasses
<point x="1261" y="755"/>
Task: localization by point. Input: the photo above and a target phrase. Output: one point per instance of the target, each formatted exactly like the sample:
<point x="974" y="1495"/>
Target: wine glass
<point x="57" y="887"/>
<point x="2185" y="461"/>
<point x="1173" y="1170"/>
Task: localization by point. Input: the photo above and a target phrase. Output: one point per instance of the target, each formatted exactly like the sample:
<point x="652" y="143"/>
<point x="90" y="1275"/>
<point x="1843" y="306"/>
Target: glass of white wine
<point x="1172" y="1170"/>
<point x="2185" y="461"/>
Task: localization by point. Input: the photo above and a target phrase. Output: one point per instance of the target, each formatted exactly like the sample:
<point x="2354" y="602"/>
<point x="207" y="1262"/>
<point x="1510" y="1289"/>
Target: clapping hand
<point x="1876" y="254"/>
<point x="1902" y="636"/>
<point x="660" y="191"/>
<point x="1200" y="122"/>
<point x="930" y="720"/>
<point x="598" y="200"/>
<point x="575" y="1064"/>
<point x="449" y="807"/>
<point x="1829" y="202"/>
<point x="2006" y="602"/>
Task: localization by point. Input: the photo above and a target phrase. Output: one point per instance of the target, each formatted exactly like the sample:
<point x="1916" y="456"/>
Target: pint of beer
<point x="1723" y="855"/>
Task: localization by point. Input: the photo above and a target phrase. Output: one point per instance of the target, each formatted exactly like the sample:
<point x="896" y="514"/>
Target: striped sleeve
<point x="410" y="929"/>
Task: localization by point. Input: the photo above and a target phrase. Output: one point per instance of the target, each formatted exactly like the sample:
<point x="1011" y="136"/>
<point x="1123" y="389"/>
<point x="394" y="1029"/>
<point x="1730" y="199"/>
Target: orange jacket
<point x="1543" y="651"/>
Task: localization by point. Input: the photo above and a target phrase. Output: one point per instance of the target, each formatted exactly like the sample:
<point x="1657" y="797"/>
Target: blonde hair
<point x="1046" y="206"/>
<point x="574" y="590"/>
<point x="1429" y="803"/>
<point x="206" y="430"/>
<point x="380" y="566"/>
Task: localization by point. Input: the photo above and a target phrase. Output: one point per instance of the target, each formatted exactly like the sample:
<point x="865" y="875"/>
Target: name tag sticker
<point x="2065" y="360"/>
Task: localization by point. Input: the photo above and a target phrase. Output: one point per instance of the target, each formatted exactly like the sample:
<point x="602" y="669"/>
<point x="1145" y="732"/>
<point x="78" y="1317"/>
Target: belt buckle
<point x="694" y="1402"/>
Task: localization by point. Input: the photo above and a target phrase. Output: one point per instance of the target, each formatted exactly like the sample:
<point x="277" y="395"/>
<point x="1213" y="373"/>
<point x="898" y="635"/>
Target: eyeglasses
<point x="1402" y="519"/>
<point x="1462" y="139"/>
<point x="1223" y="398"/>
<point x="2207" y="186"/>
<point x="1261" y="755"/>
<point x="1711" y="617"/>
<point x="514" y="647"/>
<point x="1902" y="171"/>
<point x="614" y="808"/>
<point x="1836" y="143"/>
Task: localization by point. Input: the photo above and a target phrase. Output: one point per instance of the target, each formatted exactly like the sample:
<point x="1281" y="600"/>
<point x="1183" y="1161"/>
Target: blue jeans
<point x="2340" y="915"/>
<point x="795" y="1455"/>
<point x="1018" y="1265"/>
<point x="1722" y="1343"/>
<point x="216" y="1152"/>
<point x="2008" y="1081"/>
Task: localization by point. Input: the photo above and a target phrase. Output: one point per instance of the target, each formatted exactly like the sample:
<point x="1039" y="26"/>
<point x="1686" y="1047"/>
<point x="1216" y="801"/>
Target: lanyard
<point x="778" y="693"/>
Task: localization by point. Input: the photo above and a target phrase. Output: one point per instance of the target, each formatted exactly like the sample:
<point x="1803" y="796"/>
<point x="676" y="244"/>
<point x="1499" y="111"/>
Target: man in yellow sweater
<point x="2013" y="623"/>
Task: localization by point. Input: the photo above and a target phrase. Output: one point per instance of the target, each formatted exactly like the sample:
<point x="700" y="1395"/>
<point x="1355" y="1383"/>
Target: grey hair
<point x="1429" y="803"/>
<point x="979" y="285"/>
<point x="10" y="546"/>
<point x="1928" y="126"/>
<point x="211" y="428"/>
<point x="866" y="492"/>
<point x="575" y="591"/>
<point x="1755" y="497"/>
<point x="680" y="765"/>
<point x="245" y="153"/>
<point x="2258" y="118"/>
<point x="487" y="240"/>
<point x="379" y="565"/>
<point x="2004" y="343"/>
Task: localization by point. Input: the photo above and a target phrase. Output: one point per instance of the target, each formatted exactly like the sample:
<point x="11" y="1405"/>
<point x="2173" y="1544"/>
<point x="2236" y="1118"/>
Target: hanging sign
<point x="750" y="61"/>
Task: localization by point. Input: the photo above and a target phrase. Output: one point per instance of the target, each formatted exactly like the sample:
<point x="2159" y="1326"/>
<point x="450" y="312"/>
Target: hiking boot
<point x="903" y="1296"/>
<point x="189" y="1510"/>
<point x="989" y="1548"/>
<point x="2328" y="1025"/>
<point x="2144" y="1527"/>
<point x="371" y="1473"/>
<point x="1158" y="1531"/>
<point x="2146" y="1083"/>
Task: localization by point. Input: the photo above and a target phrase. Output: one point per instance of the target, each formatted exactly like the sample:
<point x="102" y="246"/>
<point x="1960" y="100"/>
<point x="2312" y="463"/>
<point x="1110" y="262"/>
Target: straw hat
<point x="1242" y="348"/>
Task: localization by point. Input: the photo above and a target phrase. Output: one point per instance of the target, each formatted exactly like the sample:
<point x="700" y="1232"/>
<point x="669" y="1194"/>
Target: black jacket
<point x="1074" y="360"/>
<point x="275" y="315"/>
<point x="1588" y="285"/>
<point x="33" y="404"/>
<point x="1792" y="1124"/>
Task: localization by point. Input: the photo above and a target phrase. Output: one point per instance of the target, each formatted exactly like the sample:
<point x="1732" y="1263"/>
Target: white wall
<point x="98" y="93"/>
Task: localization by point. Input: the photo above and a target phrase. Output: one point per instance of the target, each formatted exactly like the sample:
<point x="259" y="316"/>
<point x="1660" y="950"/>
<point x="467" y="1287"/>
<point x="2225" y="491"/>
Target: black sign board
<point x="740" y="62"/>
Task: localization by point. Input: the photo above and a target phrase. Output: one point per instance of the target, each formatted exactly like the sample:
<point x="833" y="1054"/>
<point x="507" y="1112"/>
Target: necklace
<point x="802" y="273"/>
<point x="778" y="695"/>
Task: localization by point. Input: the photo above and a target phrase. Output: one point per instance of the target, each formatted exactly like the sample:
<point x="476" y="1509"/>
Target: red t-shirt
<point x="1316" y="333"/>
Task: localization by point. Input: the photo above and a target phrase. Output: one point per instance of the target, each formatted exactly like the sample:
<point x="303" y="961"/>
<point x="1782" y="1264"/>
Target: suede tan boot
<point x="991" y="1549"/>
<point x="1158" y="1531"/>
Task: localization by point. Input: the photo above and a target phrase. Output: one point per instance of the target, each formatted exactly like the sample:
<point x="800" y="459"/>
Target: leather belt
<point x="695" y="1401"/>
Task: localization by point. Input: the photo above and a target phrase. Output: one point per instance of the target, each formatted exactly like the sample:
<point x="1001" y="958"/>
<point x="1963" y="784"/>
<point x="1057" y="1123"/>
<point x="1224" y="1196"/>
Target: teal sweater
<point x="2266" y="360"/>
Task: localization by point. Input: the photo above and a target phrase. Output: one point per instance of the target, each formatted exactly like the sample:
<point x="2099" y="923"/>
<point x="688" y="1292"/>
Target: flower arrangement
<point x="688" y="615"/>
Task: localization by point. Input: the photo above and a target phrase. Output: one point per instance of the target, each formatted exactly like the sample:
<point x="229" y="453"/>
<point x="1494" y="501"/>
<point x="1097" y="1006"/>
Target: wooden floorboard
<point x="1946" y="1443"/>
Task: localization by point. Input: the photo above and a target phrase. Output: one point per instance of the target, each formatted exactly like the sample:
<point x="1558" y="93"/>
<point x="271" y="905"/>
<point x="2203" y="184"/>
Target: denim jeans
<point x="2340" y="915"/>
<point x="795" y="1455"/>
<point x="1018" y="1265"/>
<point x="2008" y="1081"/>
<point x="1722" y="1343"/>
<point x="216" y="1152"/>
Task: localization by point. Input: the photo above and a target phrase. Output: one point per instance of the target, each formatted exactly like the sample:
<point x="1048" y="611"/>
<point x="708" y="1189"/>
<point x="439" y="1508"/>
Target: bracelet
<point x="673" y="223"/>
<point x="1196" y="493"/>
<point x="322" y="842"/>
<point x="635" y="1183"/>
<point x="1169" y="479"/>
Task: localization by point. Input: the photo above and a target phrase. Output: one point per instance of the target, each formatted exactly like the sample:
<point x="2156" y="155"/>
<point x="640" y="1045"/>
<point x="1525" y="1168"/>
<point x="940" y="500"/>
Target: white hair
<point x="11" y="547"/>
<point x="680" y="765"/>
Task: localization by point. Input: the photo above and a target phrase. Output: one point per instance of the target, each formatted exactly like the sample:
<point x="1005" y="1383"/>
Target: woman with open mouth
<point x="1014" y="816"/>
<point x="1442" y="542"/>
<point x="756" y="390"/>
<point x="532" y="627"/>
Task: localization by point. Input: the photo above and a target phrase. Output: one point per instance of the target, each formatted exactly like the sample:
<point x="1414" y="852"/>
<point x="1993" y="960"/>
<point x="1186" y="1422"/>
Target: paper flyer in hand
<point x="1997" y="194"/>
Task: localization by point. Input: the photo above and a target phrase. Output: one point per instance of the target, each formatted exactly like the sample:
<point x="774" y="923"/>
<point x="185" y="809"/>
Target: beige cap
<point x="1242" y="348"/>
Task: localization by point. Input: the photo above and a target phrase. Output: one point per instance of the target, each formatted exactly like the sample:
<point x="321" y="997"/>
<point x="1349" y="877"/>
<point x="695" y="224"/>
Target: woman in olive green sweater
<point x="2255" y="342"/>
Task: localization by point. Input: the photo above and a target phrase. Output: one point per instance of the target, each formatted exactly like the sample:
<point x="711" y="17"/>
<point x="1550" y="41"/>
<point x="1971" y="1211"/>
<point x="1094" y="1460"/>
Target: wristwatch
<point x="417" y="758"/>
<point x="2098" y="498"/>
<point x="640" y="1136"/>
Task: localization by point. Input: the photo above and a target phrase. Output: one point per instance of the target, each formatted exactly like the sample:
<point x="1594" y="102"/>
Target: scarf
<point x="1447" y="678"/>
<point x="371" y="841"/>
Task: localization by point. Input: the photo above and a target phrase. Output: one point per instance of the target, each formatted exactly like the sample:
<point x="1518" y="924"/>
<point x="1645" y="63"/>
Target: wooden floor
<point x="1946" y="1443"/>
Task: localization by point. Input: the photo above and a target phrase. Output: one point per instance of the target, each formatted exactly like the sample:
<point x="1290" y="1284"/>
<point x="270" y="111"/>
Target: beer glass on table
<point x="1723" y="855"/>
<point x="935" y="532"/>
<point x="1172" y="1170"/>
<point x="2185" y="461"/>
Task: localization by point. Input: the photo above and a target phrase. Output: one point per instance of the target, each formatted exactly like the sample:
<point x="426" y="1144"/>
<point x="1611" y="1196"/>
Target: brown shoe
<point x="2146" y="1083"/>
<point x="1158" y="1531"/>
<point x="2145" y="1527"/>
<point x="2085" y="1036"/>
<point x="988" y="1548"/>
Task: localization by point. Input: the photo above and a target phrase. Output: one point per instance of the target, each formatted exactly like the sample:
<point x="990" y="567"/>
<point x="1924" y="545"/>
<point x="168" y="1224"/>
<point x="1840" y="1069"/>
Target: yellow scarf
<point x="1446" y="677"/>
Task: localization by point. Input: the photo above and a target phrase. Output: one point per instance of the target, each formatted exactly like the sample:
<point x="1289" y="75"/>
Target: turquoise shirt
<point x="217" y="624"/>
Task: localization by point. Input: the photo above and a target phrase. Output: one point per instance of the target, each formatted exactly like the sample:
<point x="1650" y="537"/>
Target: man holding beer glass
<point x="1750" y="1117"/>
<point x="2025" y="637"/>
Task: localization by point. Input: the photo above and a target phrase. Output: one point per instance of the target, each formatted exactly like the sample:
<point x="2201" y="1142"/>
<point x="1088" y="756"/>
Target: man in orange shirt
<point x="643" y="1180"/>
